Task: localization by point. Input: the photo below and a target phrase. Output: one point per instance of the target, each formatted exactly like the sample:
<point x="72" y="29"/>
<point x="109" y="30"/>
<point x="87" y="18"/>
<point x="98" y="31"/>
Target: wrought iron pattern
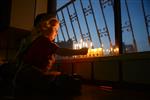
<point x="101" y="32"/>
<point x="103" y="5"/>
<point x="147" y="21"/>
<point x="131" y="27"/>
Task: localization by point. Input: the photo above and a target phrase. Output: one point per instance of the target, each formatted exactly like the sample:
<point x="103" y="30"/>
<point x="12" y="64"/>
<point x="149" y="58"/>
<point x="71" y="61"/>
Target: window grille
<point x="92" y="21"/>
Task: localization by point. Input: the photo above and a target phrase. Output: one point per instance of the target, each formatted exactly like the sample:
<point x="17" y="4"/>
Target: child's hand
<point x="83" y="51"/>
<point x="53" y="73"/>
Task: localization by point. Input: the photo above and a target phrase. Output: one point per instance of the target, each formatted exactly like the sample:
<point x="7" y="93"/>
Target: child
<point x="38" y="57"/>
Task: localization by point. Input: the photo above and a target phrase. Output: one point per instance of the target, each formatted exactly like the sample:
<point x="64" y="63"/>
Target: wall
<point x="5" y="6"/>
<point x="24" y="12"/>
<point x="136" y="71"/>
<point x="16" y="22"/>
<point x="130" y="68"/>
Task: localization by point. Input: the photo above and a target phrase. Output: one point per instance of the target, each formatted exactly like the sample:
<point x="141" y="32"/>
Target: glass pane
<point x="91" y="22"/>
<point x="88" y="23"/>
<point x="135" y="25"/>
<point x="60" y="3"/>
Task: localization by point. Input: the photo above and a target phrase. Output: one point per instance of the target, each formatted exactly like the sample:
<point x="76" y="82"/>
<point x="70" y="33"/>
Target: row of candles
<point x="92" y="52"/>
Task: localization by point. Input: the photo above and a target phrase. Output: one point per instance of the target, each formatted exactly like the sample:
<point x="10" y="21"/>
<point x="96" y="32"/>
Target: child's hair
<point x="52" y="21"/>
<point x="43" y="17"/>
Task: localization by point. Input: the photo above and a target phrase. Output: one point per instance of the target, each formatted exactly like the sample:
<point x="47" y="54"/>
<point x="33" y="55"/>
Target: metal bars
<point x="131" y="26"/>
<point x="102" y="3"/>
<point x="147" y="21"/>
<point x="91" y="21"/>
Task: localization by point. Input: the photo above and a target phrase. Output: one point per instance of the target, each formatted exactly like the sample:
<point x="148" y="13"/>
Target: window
<point x="92" y="21"/>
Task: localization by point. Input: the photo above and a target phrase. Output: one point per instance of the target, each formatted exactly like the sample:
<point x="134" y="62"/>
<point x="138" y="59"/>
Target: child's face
<point x="54" y="32"/>
<point x="49" y="30"/>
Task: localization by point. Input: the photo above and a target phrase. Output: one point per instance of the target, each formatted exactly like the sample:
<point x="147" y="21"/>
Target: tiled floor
<point x="93" y="92"/>
<point x="90" y="92"/>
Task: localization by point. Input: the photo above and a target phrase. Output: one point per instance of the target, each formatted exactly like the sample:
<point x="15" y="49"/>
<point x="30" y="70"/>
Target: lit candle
<point x="117" y="50"/>
<point x="99" y="51"/>
<point x="81" y="43"/>
<point x="89" y="52"/>
<point x="91" y="44"/>
<point x="86" y="45"/>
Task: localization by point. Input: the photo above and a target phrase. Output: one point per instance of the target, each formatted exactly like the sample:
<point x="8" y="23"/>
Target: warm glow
<point x="93" y="52"/>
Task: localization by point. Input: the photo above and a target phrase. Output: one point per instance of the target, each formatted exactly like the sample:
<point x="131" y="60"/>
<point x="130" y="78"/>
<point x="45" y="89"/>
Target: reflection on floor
<point x="90" y="92"/>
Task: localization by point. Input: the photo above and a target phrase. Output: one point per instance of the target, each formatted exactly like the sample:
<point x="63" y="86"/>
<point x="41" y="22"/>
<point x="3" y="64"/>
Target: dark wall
<point x="51" y="8"/>
<point x="5" y="11"/>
